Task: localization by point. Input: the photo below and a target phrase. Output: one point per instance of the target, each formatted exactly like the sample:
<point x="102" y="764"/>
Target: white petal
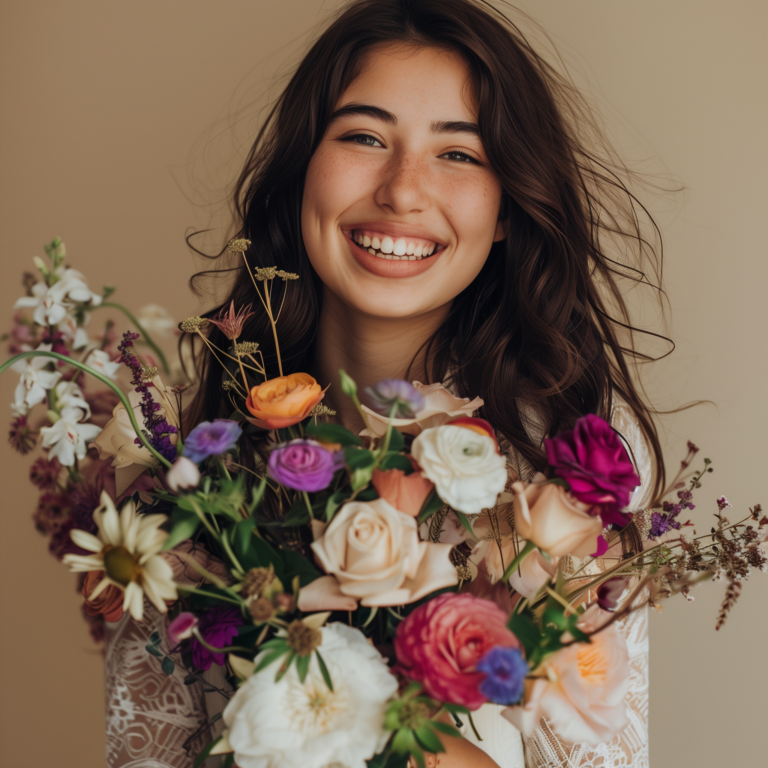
<point x="134" y="601"/>
<point x="86" y="540"/>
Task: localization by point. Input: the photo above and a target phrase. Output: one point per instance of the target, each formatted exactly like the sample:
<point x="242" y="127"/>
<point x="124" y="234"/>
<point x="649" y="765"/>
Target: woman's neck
<point x="369" y="349"/>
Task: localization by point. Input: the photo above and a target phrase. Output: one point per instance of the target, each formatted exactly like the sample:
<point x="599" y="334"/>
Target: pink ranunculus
<point x="404" y="492"/>
<point x="593" y="460"/>
<point x="582" y="691"/>
<point x="440" y="407"/>
<point x="441" y="642"/>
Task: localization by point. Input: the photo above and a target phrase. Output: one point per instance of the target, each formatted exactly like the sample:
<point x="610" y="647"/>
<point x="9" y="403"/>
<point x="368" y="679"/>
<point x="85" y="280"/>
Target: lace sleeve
<point x="153" y="720"/>
<point x="628" y="749"/>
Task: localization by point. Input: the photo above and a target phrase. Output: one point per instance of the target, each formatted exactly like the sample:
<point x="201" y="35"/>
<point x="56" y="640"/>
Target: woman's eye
<point x="362" y="138"/>
<point x="460" y="156"/>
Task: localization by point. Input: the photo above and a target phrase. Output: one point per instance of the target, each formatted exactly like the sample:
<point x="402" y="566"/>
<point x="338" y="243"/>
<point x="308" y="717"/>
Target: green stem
<point x="229" y="649"/>
<point x="518" y="561"/>
<point x="140" y="328"/>
<point x="309" y="505"/>
<point x="104" y="380"/>
<point x="194" y="591"/>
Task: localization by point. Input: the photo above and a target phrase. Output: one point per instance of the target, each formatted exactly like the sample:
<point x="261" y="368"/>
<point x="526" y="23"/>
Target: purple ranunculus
<point x="211" y="438"/>
<point x="218" y="626"/>
<point x="593" y="460"/>
<point x="304" y="465"/>
<point x="401" y="395"/>
<point x="505" y="670"/>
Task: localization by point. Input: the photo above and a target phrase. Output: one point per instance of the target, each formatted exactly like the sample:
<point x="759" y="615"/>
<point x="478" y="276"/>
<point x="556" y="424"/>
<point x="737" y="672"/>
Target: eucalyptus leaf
<point x="168" y="665"/>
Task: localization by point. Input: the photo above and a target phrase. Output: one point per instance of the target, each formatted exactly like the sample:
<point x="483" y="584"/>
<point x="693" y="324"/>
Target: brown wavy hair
<point x="543" y="329"/>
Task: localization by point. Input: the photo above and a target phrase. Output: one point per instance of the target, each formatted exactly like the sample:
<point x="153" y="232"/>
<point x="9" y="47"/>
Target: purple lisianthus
<point x="211" y="438"/>
<point x="218" y="626"/>
<point x="397" y="394"/>
<point x="594" y="462"/>
<point x="505" y="670"/>
<point x="304" y="465"/>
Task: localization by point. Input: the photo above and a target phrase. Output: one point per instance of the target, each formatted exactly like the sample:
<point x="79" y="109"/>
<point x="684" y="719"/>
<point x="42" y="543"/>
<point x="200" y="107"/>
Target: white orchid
<point x="34" y="382"/>
<point x="100" y="361"/>
<point x="52" y="303"/>
<point x="69" y="395"/>
<point x="67" y="438"/>
<point x="127" y="548"/>
<point x="73" y="333"/>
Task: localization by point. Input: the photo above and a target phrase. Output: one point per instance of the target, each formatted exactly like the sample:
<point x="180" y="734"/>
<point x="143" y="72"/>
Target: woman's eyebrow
<point x="378" y="113"/>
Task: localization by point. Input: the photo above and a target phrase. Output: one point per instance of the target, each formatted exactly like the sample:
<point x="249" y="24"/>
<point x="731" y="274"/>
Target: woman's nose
<point x="404" y="184"/>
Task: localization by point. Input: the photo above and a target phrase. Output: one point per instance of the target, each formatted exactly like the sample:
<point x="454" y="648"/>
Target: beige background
<point x="120" y="119"/>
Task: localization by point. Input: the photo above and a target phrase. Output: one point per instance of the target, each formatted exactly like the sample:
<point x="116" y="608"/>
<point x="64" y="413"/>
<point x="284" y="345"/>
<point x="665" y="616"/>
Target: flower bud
<point x="182" y="627"/>
<point x="183" y="474"/>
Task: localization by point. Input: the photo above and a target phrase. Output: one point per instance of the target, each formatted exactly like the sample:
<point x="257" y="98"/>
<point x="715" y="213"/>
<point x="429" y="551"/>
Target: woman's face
<point x="400" y="204"/>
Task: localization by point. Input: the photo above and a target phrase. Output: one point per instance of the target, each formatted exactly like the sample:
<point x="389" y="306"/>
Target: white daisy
<point x="127" y="548"/>
<point x="67" y="437"/>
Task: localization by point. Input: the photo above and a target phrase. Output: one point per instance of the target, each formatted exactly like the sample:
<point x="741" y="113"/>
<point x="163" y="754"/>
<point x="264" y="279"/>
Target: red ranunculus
<point x="441" y="642"/>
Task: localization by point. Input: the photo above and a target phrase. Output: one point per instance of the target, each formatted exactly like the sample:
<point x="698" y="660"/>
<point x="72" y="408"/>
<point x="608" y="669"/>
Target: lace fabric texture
<point x="155" y="721"/>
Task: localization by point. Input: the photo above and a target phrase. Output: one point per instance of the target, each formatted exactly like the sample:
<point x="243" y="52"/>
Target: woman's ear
<point x="501" y="230"/>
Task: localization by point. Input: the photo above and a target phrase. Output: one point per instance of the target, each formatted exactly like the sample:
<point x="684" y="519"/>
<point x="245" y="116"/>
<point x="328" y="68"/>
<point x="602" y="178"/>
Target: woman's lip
<point x="389" y="267"/>
<point x="394" y="229"/>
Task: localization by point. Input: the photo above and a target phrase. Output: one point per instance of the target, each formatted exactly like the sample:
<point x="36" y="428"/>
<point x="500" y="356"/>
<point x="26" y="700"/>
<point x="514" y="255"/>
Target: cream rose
<point x="374" y="551"/>
<point x="582" y="694"/>
<point x="549" y="516"/>
<point x="464" y="465"/>
<point x="440" y="406"/>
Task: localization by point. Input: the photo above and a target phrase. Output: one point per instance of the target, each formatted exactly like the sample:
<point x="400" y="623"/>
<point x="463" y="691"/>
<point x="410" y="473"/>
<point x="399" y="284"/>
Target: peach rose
<point x="582" y="693"/>
<point x="534" y="572"/>
<point x="109" y="603"/>
<point x="374" y="551"/>
<point x="404" y="492"/>
<point x="283" y="401"/>
<point x="440" y="406"/>
<point x="550" y="517"/>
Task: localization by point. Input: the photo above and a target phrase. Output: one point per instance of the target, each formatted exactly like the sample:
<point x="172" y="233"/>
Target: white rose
<point x="290" y="724"/>
<point x="464" y="465"/>
<point x="374" y="551"/>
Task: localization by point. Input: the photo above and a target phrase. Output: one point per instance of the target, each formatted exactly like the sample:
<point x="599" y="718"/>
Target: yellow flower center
<point x="593" y="663"/>
<point x="121" y="566"/>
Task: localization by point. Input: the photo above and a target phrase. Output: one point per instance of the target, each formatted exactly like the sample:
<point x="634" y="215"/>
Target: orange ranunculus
<point x="404" y="492"/>
<point x="283" y="401"/>
<point x="109" y="603"/>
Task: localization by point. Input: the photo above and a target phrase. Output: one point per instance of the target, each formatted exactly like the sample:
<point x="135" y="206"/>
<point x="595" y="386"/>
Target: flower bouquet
<point x="366" y="593"/>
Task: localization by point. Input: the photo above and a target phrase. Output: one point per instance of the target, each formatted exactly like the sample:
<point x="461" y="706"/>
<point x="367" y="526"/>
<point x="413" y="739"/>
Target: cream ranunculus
<point x="440" y="406"/>
<point x="547" y="515"/>
<point x="374" y="551"/>
<point x="294" y="724"/>
<point x="466" y="468"/>
<point x="582" y="692"/>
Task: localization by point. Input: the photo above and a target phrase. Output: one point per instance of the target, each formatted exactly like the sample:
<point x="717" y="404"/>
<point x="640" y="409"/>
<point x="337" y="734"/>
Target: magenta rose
<point x="594" y="462"/>
<point x="441" y="642"/>
<point x="304" y="465"/>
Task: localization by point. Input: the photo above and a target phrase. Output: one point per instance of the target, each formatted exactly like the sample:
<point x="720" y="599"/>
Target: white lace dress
<point x="155" y="721"/>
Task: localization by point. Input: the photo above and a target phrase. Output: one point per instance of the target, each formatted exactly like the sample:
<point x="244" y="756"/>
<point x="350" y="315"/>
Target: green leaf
<point x="285" y="667"/>
<point x="361" y="477"/>
<point x="448" y="730"/>
<point x="298" y="565"/>
<point x="324" y="671"/>
<point x="333" y="503"/>
<point x="168" y="665"/>
<point x="184" y="525"/>
<point x="270" y="658"/>
<point x="153" y="650"/>
<point x="191" y="679"/>
<point x="302" y="666"/>
<point x="396" y="461"/>
<point x="241" y="535"/>
<point x="428" y="740"/>
<point x="526" y="631"/>
<point x="358" y="458"/>
<point x="332" y="433"/>
<point x="456" y="709"/>
<point x="348" y="386"/>
<point x="154" y="638"/>
<point x="200" y="759"/>
<point x="297" y="515"/>
<point x="431" y="504"/>
<point x="275" y="642"/>
<point x="258" y="495"/>
<point x="369" y="494"/>
<point x="396" y="443"/>
<point x="229" y="760"/>
<point x="404" y="742"/>
<point x="463" y="520"/>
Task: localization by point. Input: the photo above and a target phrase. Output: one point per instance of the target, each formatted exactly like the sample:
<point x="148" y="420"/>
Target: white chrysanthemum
<point x="467" y="470"/>
<point x="67" y="438"/>
<point x="127" y="549"/>
<point x="290" y="724"/>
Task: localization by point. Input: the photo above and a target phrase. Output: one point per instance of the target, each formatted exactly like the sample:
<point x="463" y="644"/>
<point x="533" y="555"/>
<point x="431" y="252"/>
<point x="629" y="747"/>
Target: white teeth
<point x="410" y="249"/>
<point x="418" y="250"/>
<point x="428" y="251"/>
<point x="366" y="241"/>
<point x="371" y="251"/>
<point x="387" y="245"/>
<point x="375" y="243"/>
<point x="400" y="247"/>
